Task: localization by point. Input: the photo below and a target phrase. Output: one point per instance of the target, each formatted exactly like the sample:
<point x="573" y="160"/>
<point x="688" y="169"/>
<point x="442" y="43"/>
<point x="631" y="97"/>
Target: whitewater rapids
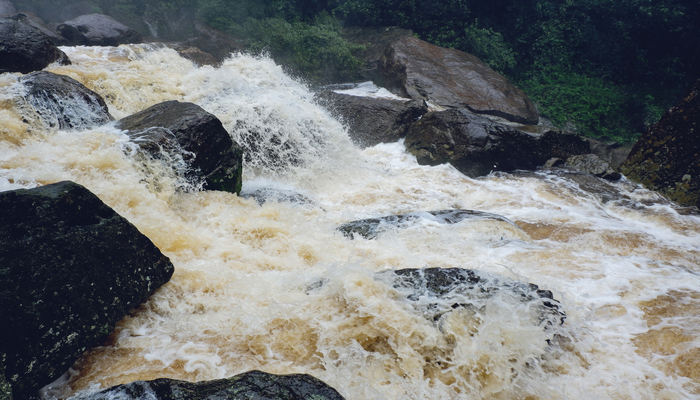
<point x="277" y="288"/>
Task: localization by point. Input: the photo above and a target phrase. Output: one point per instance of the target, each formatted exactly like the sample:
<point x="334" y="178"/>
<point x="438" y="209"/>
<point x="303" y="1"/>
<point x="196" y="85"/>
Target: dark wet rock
<point x="7" y="8"/>
<point x="477" y="145"/>
<point x="592" y="164"/>
<point x="253" y="385"/>
<point x="452" y="78"/>
<point x="97" y="30"/>
<point x="438" y="291"/>
<point x="24" y="48"/>
<point x="70" y="268"/>
<point x="667" y="156"/>
<point x="263" y="195"/>
<point x="370" y="228"/>
<point x="64" y="103"/>
<point x="5" y="387"/>
<point x="217" y="43"/>
<point x="373" y="120"/>
<point x="38" y="23"/>
<point x="218" y="160"/>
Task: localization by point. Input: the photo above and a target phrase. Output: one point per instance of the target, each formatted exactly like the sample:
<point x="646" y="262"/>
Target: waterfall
<point x="277" y="287"/>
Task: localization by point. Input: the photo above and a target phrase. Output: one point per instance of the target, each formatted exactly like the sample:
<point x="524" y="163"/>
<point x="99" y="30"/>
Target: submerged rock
<point x="372" y="120"/>
<point x="62" y="102"/>
<point x="218" y="160"/>
<point x="477" y="145"/>
<point x="437" y="291"/>
<point x="265" y="194"/>
<point x="24" y="48"/>
<point x="667" y="156"/>
<point x="97" y="30"/>
<point x="70" y="269"/>
<point x="453" y="78"/>
<point x="370" y="228"/>
<point x="253" y="385"/>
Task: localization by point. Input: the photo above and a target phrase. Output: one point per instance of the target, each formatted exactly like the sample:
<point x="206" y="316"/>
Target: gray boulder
<point x="97" y="30"/>
<point x="71" y="269"/>
<point x="452" y="78"/>
<point x="477" y="145"/>
<point x="187" y="128"/>
<point x="253" y="385"/>
<point x="372" y="120"/>
<point x="24" y="48"/>
<point x="592" y="164"/>
<point x="62" y="102"/>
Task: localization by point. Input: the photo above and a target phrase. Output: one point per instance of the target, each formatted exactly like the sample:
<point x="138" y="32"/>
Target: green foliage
<point x="317" y="50"/>
<point x="594" y="106"/>
<point x="488" y="45"/>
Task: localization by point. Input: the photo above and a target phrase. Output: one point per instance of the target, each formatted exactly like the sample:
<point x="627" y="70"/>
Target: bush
<point x="316" y="51"/>
<point x="595" y="106"/>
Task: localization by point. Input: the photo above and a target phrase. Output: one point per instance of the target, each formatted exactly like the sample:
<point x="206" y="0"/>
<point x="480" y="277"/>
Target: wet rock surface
<point x="437" y="291"/>
<point x="667" y="156"/>
<point x="97" y="30"/>
<point x="370" y="228"/>
<point x="62" y="102"/>
<point x="253" y="385"/>
<point x="373" y="120"/>
<point x="452" y="78"/>
<point x="212" y="154"/>
<point x="265" y="194"/>
<point x="477" y="145"/>
<point x="70" y="268"/>
<point x="592" y="164"/>
<point x="24" y="48"/>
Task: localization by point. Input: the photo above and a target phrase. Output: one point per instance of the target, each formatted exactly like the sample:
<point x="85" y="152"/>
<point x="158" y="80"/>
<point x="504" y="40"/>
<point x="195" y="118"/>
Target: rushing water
<point x="276" y="287"/>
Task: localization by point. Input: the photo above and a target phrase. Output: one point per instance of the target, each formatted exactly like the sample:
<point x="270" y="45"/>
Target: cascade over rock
<point x="24" y="48"/>
<point x="97" y="30"/>
<point x="61" y="102"/>
<point x="253" y="385"/>
<point x="667" y="156"/>
<point x="477" y="145"/>
<point x="466" y="288"/>
<point x="453" y="78"/>
<point x="186" y="126"/>
<point x="71" y="268"/>
<point x="370" y="228"/>
<point x="373" y="120"/>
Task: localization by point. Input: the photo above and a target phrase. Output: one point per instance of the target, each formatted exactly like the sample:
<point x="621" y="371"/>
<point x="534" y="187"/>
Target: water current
<point x="277" y="287"/>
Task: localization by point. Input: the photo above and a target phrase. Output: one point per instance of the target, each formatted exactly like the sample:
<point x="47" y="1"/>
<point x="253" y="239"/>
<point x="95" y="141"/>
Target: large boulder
<point x="253" y="385"/>
<point x="438" y="291"/>
<point x="370" y="228"/>
<point x="667" y="156"/>
<point x="24" y="48"/>
<point x="97" y="30"/>
<point x="373" y="120"/>
<point x="453" y="78"/>
<point x="218" y="160"/>
<point x="477" y="145"/>
<point x="70" y="268"/>
<point x="7" y="8"/>
<point x="61" y="102"/>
